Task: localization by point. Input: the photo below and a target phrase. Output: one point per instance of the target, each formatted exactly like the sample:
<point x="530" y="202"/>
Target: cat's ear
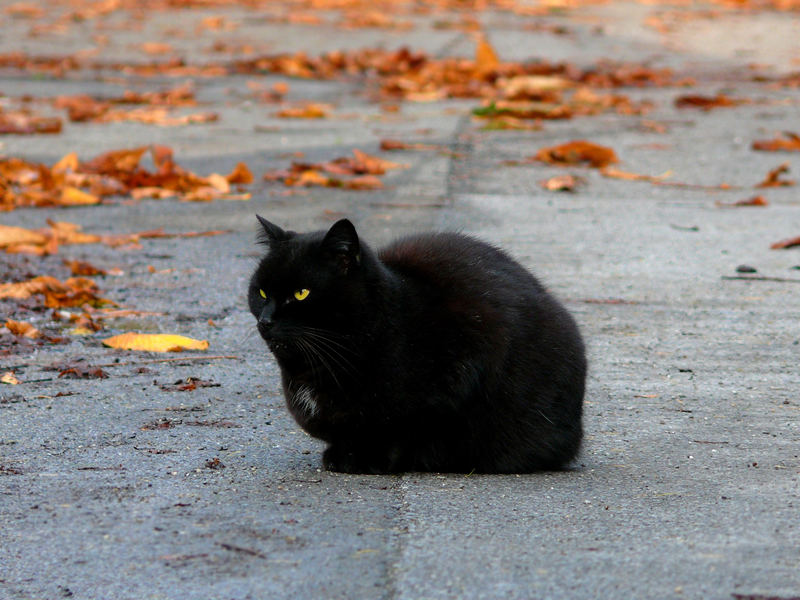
<point x="271" y="233"/>
<point x="341" y="242"/>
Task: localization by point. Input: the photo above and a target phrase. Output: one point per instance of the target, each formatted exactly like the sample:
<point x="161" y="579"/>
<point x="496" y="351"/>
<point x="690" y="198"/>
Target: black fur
<point x="439" y="353"/>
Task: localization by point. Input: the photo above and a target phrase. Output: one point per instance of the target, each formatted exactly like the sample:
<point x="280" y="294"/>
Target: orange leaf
<point x="706" y="102"/>
<point x="21" y="328"/>
<point x="485" y="56"/>
<point x="307" y="111"/>
<point x="19" y="235"/>
<point x="754" y="201"/>
<point x="773" y="178"/>
<point x="790" y="243"/>
<point x="792" y="144"/>
<point x="577" y="152"/>
<point x="240" y="174"/>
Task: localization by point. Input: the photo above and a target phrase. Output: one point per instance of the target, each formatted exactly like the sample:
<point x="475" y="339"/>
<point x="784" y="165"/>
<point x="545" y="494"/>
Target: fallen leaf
<point x="10" y="235"/>
<point x="773" y="178"/>
<point x="754" y="201"/>
<point x="83" y="372"/>
<point x="154" y="342"/>
<point x="9" y="379"/>
<point x="388" y="145"/>
<point x="306" y="111"/>
<point x="189" y="384"/>
<point x="240" y="174"/>
<point x="82" y="268"/>
<point x="791" y="144"/>
<point x="24" y="123"/>
<point x="707" y="102"/>
<point x="617" y="174"/>
<point x="577" y="152"/>
<point x="486" y="59"/>
<point x="22" y="328"/>
<point x="788" y="243"/>
<point x="562" y="183"/>
<point x="156" y="47"/>
<point x="71" y="196"/>
<point x="75" y="291"/>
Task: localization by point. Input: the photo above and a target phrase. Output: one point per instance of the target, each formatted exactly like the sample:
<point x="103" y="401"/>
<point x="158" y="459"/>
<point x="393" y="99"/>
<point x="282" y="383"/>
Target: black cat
<point x="439" y="353"/>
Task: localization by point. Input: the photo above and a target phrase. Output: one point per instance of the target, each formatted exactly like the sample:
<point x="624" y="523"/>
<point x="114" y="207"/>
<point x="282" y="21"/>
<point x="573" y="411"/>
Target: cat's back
<point x="455" y="261"/>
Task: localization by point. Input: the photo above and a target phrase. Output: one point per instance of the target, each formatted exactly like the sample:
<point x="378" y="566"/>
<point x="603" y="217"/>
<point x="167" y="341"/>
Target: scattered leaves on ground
<point x="359" y="172"/>
<point x="71" y="182"/>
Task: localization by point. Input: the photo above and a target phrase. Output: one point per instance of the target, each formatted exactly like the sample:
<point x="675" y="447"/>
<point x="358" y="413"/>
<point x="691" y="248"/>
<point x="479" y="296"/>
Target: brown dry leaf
<point x="75" y="291"/>
<point x="388" y="145"/>
<point x="789" y="243"/>
<point x="754" y="201"/>
<point x="23" y="329"/>
<point x="154" y="342"/>
<point x="617" y="174"/>
<point x="577" y="152"/>
<point x="83" y="269"/>
<point x="791" y="144"/>
<point x="306" y="111"/>
<point x="707" y="102"/>
<point x="240" y="174"/>
<point x="562" y="183"/>
<point x="25" y="123"/>
<point x="156" y="47"/>
<point x="773" y="178"/>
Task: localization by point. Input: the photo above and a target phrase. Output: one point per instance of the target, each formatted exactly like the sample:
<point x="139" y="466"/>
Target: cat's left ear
<point x="271" y="233"/>
<point x="341" y="242"/>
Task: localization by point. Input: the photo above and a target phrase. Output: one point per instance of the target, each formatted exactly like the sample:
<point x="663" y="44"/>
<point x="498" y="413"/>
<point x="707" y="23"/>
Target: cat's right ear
<point x="271" y="233"/>
<point x="341" y="243"/>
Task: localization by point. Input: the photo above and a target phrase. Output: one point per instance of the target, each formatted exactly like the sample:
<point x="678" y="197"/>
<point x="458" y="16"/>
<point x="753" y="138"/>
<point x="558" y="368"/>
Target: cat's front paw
<point x="345" y="459"/>
<point x="339" y="459"/>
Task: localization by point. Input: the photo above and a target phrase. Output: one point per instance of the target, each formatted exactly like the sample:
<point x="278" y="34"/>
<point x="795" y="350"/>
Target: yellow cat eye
<point x="301" y="294"/>
<point x="263" y="295"/>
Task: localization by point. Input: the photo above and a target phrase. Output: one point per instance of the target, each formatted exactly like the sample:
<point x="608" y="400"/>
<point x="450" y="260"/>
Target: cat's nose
<point x="265" y="318"/>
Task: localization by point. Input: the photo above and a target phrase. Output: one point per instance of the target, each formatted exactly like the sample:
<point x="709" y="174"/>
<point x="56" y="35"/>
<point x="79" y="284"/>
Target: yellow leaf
<point x="72" y="195"/>
<point x="81" y="331"/>
<point x="69" y="162"/>
<point x="8" y="377"/>
<point x="154" y="342"/>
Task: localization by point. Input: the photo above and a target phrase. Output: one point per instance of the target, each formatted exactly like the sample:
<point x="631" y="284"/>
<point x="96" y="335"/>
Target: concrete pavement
<point x="689" y="482"/>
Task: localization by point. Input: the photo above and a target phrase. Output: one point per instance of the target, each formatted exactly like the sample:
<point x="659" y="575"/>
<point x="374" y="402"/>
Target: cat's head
<point x="309" y="287"/>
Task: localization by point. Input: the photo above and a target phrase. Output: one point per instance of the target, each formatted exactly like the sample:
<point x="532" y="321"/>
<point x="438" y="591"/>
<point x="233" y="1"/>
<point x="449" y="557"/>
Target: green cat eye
<point x="263" y="295"/>
<point x="301" y="294"/>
